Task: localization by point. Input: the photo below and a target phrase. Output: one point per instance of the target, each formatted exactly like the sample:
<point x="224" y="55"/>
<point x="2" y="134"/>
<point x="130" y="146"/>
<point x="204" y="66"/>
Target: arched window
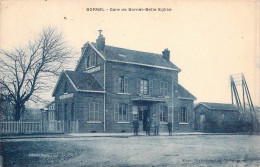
<point x="91" y="61"/>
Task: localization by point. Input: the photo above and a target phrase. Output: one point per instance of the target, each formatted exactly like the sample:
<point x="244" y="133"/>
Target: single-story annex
<point x="216" y="117"/>
<point x="112" y="86"/>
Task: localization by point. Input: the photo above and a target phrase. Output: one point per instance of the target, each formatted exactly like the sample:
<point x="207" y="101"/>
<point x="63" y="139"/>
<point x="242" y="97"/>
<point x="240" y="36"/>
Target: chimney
<point x="100" y="41"/>
<point x="166" y="54"/>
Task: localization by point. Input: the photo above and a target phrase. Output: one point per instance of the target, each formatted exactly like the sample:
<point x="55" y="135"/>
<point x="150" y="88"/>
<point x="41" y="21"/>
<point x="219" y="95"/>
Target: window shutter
<point x="170" y="114"/>
<point x="151" y="87"/>
<point x="130" y="113"/>
<point x="168" y="89"/>
<point x="158" y="112"/>
<point x="96" y="111"/>
<point x="116" y="84"/>
<point x="126" y="112"/>
<point x="172" y="92"/>
<point x="161" y="90"/>
<point x="138" y="85"/>
<point x="91" y="108"/>
<point x="155" y="88"/>
<point x="187" y="116"/>
<point x="179" y="116"/>
<point x="126" y="85"/>
<point x="95" y="59"/>
<point x="116" y="112"/>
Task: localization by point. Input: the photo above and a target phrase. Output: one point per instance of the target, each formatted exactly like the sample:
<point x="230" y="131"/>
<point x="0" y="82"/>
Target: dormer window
<point x="91" y="61"/>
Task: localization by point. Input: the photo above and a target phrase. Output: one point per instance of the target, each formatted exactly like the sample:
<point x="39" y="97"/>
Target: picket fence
<point x="25" y="127"/>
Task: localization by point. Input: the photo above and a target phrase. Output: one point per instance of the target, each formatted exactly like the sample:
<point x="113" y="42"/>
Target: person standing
<point x="156" y="127"/>
<point x="136" y="126"/>
<point x="148" y="126"/>
<point x="170" y="128"/>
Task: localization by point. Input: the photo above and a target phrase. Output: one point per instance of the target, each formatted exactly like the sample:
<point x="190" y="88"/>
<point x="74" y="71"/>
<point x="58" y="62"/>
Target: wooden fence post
<point x="19" y="127"/>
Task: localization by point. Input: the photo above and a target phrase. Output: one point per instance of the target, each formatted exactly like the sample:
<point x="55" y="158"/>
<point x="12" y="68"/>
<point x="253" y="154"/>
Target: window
<point x="183" y="115"/>
<point x="164" y="114"/>
<point x="93" y="111"/>
<point x="123" y="84"/>
<point x="144" y="87"/>
<point x="91" y="61"/>
<point x="50" y="115"/>
<point x="164" y="88"/>
<point x="121" y="112"/>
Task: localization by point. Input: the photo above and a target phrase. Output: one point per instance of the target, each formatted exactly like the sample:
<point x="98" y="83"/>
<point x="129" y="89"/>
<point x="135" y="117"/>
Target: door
<point x="202" y="121"/>
<point x="146" y="114"/>
<point x="140" y="118"/>
<point x="66" y="120"/>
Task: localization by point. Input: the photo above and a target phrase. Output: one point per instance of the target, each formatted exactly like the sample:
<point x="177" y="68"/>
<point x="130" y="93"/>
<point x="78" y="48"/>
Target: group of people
<point x="147" y="126"/>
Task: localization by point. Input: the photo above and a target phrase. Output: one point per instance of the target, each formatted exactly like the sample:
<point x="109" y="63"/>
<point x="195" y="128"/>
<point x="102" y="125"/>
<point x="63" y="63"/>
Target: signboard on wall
<point x="135" y="110"/>
<point x="65" y="96"/>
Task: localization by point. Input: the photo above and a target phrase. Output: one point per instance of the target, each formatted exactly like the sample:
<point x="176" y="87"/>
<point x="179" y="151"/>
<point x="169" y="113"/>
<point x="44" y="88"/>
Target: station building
<point x="111" y="86"/>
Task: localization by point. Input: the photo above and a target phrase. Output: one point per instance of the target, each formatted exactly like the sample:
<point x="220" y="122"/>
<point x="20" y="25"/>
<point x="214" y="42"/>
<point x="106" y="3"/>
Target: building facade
<point x="111" y="86"/>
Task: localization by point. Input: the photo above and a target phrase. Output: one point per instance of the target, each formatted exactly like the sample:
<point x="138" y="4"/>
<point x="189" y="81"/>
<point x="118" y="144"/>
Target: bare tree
<point x="26" y="71"/>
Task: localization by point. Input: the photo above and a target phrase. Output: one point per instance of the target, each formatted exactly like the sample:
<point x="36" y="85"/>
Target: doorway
<point x="144" y="116"/>
<point x="66" y="120"/>
<point x="202" y="122"/>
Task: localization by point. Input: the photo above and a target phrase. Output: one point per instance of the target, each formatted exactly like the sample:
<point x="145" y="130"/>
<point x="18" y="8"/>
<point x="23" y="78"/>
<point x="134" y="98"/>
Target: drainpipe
<point x="172" y="103"/>
<point x="104" y="96"/>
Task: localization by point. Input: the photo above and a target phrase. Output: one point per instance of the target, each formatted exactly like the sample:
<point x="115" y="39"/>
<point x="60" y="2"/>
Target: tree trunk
<point x="17" y="114"/>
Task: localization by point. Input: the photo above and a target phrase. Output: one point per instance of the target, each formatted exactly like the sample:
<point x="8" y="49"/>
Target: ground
<point x="128" y="150"/>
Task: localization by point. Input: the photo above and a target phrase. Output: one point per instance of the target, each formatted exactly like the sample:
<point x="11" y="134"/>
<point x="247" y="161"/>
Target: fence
<point x="23" y="127"/>
<point x="31" y="127"/>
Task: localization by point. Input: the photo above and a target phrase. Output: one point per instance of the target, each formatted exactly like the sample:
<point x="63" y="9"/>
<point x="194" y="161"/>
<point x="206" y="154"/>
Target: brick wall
<point x="134" y="74"/>
<point x="178" y="125"/>
<point x="219" y="116"/>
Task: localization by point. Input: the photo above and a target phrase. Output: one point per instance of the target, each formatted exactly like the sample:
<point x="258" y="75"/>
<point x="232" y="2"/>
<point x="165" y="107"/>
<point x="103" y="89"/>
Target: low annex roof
<point x="184" y="94"/>
<point x="82" y="82"/>
<point x="218" y="106"/>
<point x="128" y="56"/>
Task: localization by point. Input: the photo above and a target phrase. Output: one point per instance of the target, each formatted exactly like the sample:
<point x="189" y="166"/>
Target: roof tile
<point x="84" y="81"/>
<point x="218" y="106"/>
<point x="131" y="56"/>
<point x="182" y="93"/>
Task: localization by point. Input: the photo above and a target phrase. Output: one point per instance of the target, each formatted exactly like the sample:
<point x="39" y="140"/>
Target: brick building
<point x="216" y="117"/>
<point x="111" y="86"/>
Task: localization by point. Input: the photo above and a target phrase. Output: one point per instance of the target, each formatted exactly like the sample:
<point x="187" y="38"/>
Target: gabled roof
<point x="218" y="106"/>
<point x="121" y="55"/>
<point x="81" y="81"/>
<point x="84" y="81"/>
<point x="184" y="94"/>
<point x="49" y="104"/>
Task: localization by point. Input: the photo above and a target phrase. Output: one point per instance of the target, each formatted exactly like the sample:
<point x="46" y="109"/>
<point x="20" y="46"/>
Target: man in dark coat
<point x="170" y="128"/>
<point x="156" y="127"/>
<point x="136" y="126"/>
<point x="148" y="126"/>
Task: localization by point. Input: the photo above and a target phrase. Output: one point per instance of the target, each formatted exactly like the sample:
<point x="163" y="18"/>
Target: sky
<point x="208" y="40"/>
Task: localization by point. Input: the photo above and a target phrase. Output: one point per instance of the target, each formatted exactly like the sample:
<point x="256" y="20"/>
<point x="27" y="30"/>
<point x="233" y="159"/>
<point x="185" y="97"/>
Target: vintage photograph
<point x="129" y="83"/>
